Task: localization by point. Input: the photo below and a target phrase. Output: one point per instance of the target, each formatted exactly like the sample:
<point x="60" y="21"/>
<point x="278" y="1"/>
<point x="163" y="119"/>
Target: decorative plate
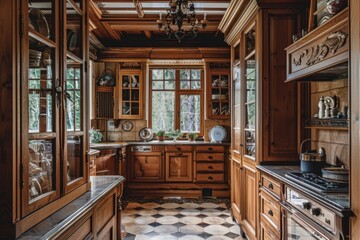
<point x="217" y="134"/>
<point x="146" y="134"/>
<point x="71" y="40"/>
<point x="107" y="79"/>
<point x="127" y="126"/>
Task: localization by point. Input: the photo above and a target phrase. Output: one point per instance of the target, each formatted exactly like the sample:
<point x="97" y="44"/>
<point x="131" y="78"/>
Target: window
<point x="176" y="100"/>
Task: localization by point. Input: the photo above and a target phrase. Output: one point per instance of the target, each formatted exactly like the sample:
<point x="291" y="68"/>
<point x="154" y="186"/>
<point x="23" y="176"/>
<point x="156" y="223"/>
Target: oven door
<point x="300" y="227"/>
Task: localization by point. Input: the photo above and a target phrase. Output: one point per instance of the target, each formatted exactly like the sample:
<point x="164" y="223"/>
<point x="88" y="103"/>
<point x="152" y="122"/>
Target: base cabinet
<point x="147" y="167"/>
<point x="178" y="167"/>
<point x="250" y="194"/>
<point x="235" y="189"/>
<point x="106" y="162"/>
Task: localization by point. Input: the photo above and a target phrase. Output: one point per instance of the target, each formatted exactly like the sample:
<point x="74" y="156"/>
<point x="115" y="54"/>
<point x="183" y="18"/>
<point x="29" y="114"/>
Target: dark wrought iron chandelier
<point x="181" y="11"/>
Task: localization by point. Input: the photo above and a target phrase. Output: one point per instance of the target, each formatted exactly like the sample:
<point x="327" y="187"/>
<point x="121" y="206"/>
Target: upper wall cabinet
<point x="130" y="90"/>
<point x="218" y="91"/>
<point x="323" y="53"/>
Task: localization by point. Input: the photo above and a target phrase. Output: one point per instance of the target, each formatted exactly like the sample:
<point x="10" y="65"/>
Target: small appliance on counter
<point x="312" y="160"/>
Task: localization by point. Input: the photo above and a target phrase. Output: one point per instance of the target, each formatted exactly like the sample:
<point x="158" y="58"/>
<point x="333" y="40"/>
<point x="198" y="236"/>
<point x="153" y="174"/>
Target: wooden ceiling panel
<point x="116" y="20"/>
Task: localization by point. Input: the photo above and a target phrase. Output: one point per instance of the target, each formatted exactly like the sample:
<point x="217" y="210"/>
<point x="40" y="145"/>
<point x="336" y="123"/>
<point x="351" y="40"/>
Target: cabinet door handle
<point x="210" y="167"/>
<point x="178" y="148"/>
<point x="210" y="178"/>
<point x="210" y="148"/>
<point x="58" y="91"/>
<point x="270" y="212"/>
<point x="271" y="186"/>
<point x="210" y="157"/>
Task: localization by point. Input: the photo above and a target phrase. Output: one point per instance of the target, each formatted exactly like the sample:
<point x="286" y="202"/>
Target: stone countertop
<point x="338" y="202"/>
<point x="60" y="220"/>
<point x="106" y="145"/>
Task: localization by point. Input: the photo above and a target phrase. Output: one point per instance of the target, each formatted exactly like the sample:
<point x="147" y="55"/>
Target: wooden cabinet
<point x="92" y="155"/>
<point x="270" y="211"/>
<point x="47" y="125"/>
<point x="130" y="90"/>
<point x="210" y="164"/>
<point x="218" y="96"/>
<point x="262" y="102"/>
<point x="147" y="167"/>
<point x="178" y="167"/>
<point x="106" y="162"/>
<point x="236" y="174"/>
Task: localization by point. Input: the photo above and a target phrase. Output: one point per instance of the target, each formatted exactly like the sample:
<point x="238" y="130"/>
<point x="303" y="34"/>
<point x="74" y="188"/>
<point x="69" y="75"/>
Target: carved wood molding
<point x="317" y="53"/>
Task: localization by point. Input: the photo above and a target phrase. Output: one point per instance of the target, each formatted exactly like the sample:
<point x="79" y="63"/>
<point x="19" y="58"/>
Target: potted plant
<point x="191" y="136"/>
<point x="160" y="135"/>
<point x="174" y="134"/>
<point x="95" y="135"/>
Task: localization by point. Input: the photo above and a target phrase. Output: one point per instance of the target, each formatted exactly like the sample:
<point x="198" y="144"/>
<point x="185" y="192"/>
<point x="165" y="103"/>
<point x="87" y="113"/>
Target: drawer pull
<point x="270" y="212"/>
<point x="210" y="157"/>
<point x="210" y="178"/>
<point x="178" y="148"/>
<point x="210" y="167"/>
<point x="210" y="148"/>
<point x="271" y="186"/>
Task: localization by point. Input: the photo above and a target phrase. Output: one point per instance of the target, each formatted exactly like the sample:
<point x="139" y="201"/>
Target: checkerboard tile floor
<point x="179" y="221"/>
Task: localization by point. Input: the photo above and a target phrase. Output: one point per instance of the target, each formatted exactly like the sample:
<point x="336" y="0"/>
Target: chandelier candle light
<point x="180" y="11"/>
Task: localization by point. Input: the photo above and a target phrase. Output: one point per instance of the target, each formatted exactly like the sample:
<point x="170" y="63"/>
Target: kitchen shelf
<point x="330" y="123"/>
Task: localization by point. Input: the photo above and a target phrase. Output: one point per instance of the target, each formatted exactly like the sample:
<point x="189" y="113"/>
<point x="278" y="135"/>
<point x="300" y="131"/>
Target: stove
<point x="317" y="183"/>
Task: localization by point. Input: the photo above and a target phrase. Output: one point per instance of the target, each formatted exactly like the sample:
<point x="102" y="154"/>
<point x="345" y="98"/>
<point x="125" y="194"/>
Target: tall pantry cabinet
<point x="264" y="120"/>
<point x="44" y="92"/>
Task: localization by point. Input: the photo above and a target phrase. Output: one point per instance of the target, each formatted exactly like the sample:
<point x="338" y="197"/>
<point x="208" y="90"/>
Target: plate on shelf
<point x="127" y="126"/>
<point x="217" y="134"/>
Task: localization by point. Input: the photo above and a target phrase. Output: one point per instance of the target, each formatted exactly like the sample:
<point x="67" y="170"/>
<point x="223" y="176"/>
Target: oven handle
<point x="297" y="218"/>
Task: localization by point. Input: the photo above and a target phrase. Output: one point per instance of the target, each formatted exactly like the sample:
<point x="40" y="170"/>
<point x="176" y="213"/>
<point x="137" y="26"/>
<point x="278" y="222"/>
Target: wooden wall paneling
<point x="355" y="115"/>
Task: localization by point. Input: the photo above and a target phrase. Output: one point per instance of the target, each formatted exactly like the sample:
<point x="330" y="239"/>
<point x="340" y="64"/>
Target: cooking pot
<point x="340" y="174"/>
<point x="312" y="160"/>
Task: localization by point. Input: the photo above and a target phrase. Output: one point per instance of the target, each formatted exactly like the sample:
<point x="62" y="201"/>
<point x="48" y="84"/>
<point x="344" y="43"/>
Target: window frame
<point x="178" y="92"/>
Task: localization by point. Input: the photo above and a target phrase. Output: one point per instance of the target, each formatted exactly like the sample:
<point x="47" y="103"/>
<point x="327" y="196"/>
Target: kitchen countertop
<point x="60" y="220"/>
<point x="338" y="202"/>
<point x="106" y="145"/>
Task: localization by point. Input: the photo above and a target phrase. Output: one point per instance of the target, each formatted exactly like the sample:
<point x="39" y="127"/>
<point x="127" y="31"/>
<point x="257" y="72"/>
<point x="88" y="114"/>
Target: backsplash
<point x="112" y="133"/>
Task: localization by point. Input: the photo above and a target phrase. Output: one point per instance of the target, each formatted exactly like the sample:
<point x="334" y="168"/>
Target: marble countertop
<point x="60" y="220"/>
<point x="106" y="145"/>
<point x="337" y="202"/>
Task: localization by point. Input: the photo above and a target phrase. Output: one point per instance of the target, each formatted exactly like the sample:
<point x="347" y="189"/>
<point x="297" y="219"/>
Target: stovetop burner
<point x="318" y="183"/>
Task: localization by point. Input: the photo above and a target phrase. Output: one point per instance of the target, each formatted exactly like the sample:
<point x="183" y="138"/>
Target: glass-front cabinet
<point x="249" y="79"/>
<point x="219" y="94"/>
<point x="130" y="100"/>
<point x="53" y="84"/>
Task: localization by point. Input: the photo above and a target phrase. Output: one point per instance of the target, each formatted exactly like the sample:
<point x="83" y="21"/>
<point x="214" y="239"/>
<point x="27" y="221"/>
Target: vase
<point x="161" y="138"/>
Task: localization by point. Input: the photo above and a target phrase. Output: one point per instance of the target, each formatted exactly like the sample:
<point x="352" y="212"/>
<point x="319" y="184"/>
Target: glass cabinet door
<point x="131" y="97"/>
<point x="40" y="156"/>
<point x="74" y="82"/>
<point x="250" y="94"/>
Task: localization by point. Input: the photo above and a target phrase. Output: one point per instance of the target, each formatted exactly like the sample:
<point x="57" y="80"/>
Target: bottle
<point x="321" y="106"/>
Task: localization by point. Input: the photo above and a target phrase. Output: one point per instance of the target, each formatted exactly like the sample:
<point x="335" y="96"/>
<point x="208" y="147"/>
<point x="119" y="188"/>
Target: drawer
<point x="178" y="148"/>
<point x="210" y="157"/>
<point x="270" y="210"/>
<point x="210" y="177"/>
<point x="209" y="148"/>
<point x="267" y="233"/>
<point x="210" y="167"/>
<point x="271" y="185"/>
